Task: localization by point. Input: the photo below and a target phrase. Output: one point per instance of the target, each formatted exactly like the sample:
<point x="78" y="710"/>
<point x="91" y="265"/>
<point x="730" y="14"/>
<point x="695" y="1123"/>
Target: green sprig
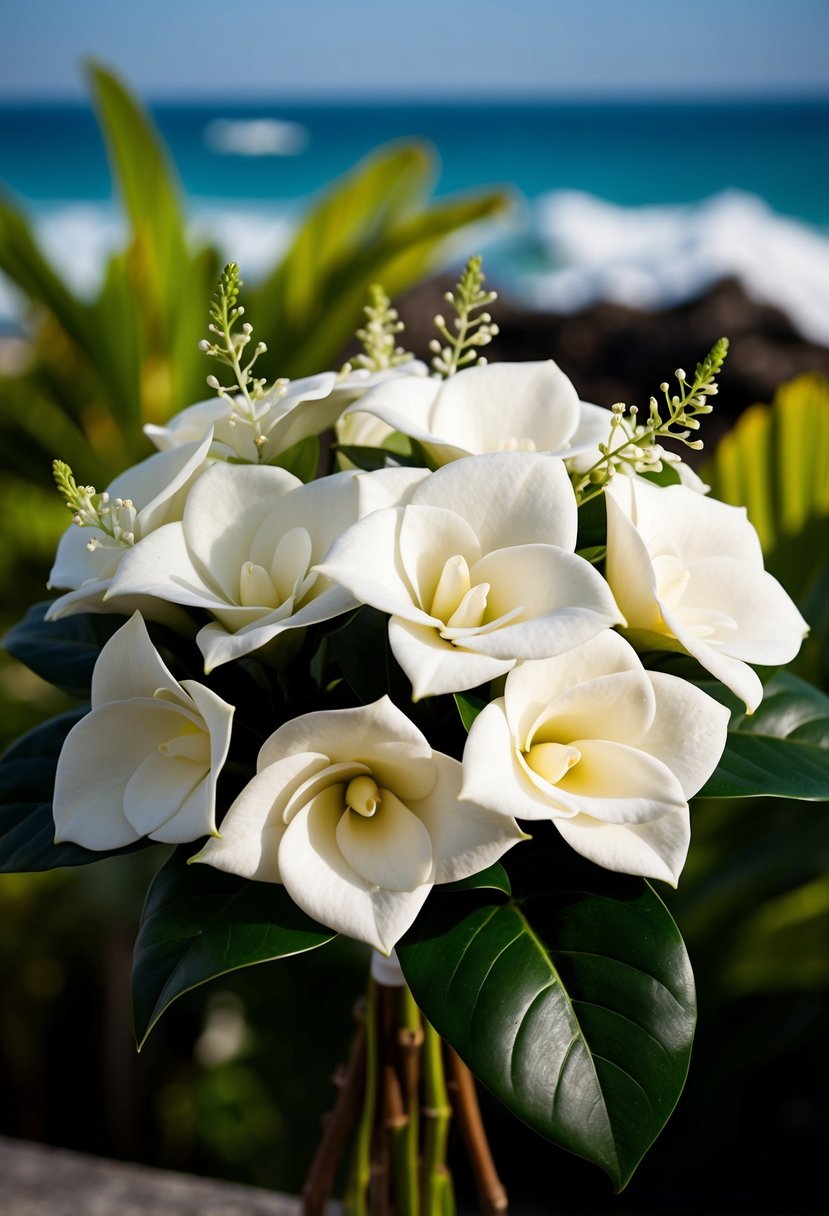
<point x="229" y="348"/>
<point x="379" y="334"/>
<point x="677" y="419"/>
<point x="116" y="518"/>
<point x="459" y="349"/>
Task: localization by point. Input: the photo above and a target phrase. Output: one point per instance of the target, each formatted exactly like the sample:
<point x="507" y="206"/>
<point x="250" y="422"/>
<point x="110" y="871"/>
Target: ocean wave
<point x="655" y="256"/>
<point x="256" y="137"/>
<point x="647" y="257"/>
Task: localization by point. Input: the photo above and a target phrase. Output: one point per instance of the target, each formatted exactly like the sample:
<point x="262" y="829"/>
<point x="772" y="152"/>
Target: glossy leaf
<point x="63" y="652"/>
<point x="27" y="780"/>
<point x="301" y="459"/>
<point x="493" y="878"/>
<point x="781" y="750"/>
<point x="573" y="1002"/>
<point x="199" y="923"/>
<point x="468" y="707"/>
<point x="361" y="649"/>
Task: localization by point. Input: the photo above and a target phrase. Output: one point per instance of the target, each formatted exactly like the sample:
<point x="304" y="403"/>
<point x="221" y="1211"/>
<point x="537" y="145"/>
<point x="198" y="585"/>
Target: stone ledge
<point x="42" y="1181"/>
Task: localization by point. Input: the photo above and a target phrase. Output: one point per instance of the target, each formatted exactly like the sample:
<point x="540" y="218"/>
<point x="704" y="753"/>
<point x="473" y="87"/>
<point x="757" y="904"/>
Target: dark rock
<point x="614" y="353"/>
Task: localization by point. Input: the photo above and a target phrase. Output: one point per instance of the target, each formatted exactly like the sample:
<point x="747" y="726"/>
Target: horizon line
<point x="355" y="99"/>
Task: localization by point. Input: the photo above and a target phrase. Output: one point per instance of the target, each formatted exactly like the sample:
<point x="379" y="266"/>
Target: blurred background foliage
<point x="233" y="1081"/>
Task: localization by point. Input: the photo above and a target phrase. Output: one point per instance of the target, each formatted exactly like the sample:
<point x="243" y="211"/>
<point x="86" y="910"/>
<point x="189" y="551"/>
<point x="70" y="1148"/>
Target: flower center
<point x="362" y="796"/>
<point x="192" y="744"/>
<point x="552" y="761"/>
<point x="672" y="579"/>
<point x="287" y="581"/>
<point x="256" y="589"/>
<point x="456" y="602"/>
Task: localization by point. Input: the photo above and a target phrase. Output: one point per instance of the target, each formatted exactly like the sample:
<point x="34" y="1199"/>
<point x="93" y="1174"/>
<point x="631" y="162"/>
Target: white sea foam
<point x="647" y="257"/>
<point x="653" y="257"/>
<point x="256" y="137"/>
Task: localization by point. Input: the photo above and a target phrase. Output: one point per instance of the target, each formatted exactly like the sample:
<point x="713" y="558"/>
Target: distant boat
<point x="256" y="137"/>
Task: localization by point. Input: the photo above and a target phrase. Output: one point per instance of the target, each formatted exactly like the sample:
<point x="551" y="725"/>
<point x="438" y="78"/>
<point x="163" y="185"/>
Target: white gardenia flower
<point x="145" y="760"/>
<point x="357" y="429"/>
<point x="687" y="572"/>
<point x="151" y="494"/>
<point x="289" y="412"/>
<point x="500" y="407"/>
<point x="356" y="814"/>
<point x="245" y="551"/>
<point x="608" y="751"/>
<point x="476" y="570"/>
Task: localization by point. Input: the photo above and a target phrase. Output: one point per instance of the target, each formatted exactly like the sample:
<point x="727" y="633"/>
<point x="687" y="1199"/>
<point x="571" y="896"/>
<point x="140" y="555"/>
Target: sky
<point x="420" y="49"/>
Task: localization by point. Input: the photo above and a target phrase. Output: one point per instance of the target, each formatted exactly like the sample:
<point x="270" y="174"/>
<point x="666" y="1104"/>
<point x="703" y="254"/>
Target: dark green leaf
<point x="593" y="554"/>
<point x="779" y="751"/>
<point x="364" y="457"/>
<point x="199" y="923"/>
<point x="592" y="524"/>
<point x="302" y="459"/>
<point x="574" y="1003"/>
<point x="361" y="649"/>
<point x="376" y="458"/>
<point x="493" y="878"/>
<point x="63" y="652"/>
<point x="27" y="780"/>
<point x="468" y="707"/>
<point x="147" y="184"/>
<point x="22" y="260"/>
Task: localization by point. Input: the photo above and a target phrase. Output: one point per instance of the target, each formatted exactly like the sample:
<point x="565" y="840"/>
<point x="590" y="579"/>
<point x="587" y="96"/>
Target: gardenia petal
<point x="144" y="761"/>
<point x="245" y="537"/>
<point x="318" y="877"/>
<point x="467" y="838"/>
<point x="428" y="565"/>
<point x="365" y="817"/>
<point x="98" y="758"/>
<point x="515" y="498"/>
<point x="158" y="487"/>
<point x="378" y="736"/>
<point x="611" y="761"/>
<point x="391" y="849"/>
<point x="130" y="666"/>
<point x="434" y="666"/>
<point x="498" y="407"/>
<point x="655" y="849"/>
<point x="552" y="689"/>
<point x="223" y="515"/>
<point x="166" y="799"/>
<point x="687" y="571"/>
<point x="285" y="415"/>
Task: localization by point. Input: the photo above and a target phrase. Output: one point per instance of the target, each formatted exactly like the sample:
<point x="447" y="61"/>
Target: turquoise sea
<point x="639" y="201"/>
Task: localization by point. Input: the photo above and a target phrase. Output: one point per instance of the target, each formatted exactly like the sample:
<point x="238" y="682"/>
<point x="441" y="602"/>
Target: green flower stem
<point x="437" y="1191"/>
<point x="445" y="1193"/>
<point x="356" y="1199"/>
<point x="398" y="1121"/>
<point x="410" y="1043"/>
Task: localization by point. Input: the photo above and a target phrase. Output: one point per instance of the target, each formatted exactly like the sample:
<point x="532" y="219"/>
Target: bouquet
<point x="434" y="658"/>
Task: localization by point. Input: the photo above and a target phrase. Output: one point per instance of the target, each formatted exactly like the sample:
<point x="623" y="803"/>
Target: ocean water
<point x="645" y="203"/>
